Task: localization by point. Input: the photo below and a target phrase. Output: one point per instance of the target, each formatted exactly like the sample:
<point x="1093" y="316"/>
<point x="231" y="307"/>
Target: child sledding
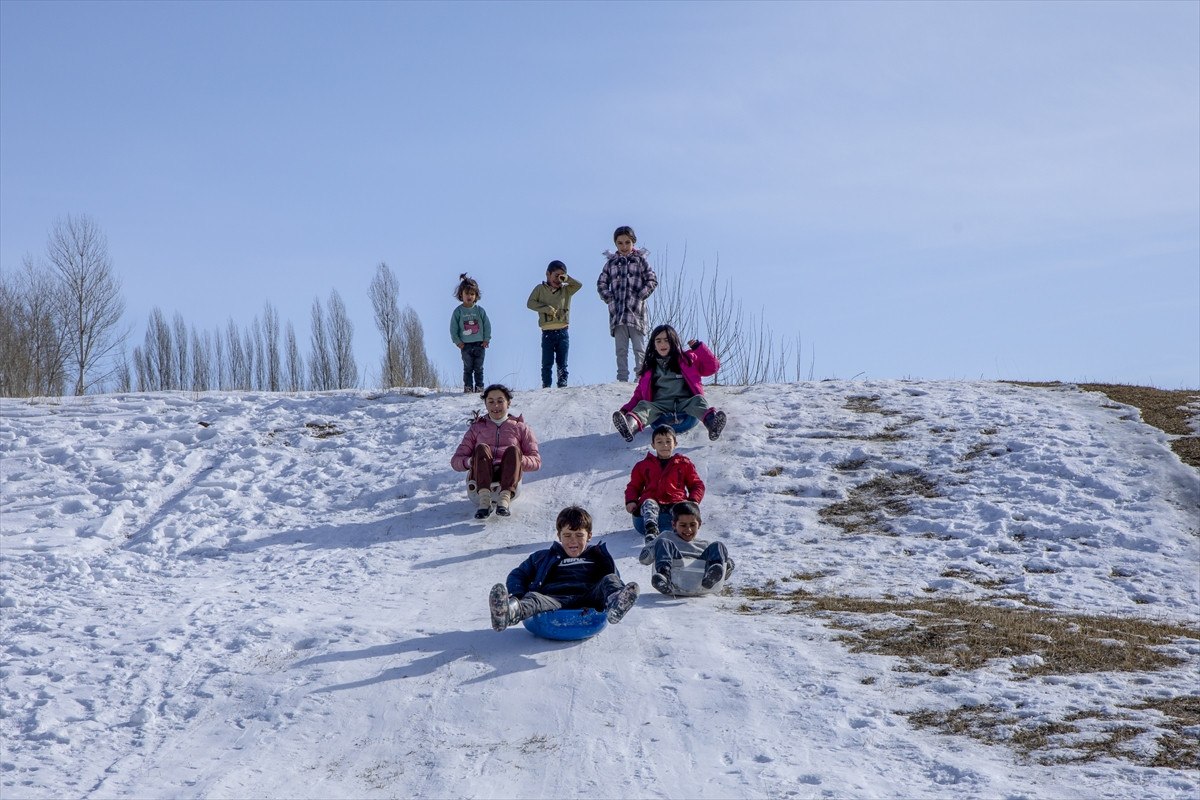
<point x="571" y="574"/>
<point x="659" y="481"/>
<point x="669" y="383"/>
<point x="683" y="564"/>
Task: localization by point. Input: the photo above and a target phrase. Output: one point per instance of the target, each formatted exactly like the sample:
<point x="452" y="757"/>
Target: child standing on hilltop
<point x="669" y="383"/>
<point x="552" y="300"/>
<point x="470" y="330"/>
<point x="659" y="481"/>
<point x="625" y="283"/>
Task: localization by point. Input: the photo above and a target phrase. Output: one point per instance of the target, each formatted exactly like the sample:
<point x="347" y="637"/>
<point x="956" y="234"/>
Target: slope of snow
<point x="256" y="595"/>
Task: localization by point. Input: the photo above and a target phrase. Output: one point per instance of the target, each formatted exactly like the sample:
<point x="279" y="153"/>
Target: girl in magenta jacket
<point x="669" y="382"/>
<point x="496" y="449"/>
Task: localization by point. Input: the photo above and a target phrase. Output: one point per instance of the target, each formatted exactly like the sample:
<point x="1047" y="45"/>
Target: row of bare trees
<point x="60" y="331"/>
<point x="706" y="307"/>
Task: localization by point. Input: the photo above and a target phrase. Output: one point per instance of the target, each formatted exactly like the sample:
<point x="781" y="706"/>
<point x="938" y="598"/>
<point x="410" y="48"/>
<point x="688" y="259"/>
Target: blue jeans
<point x="554" y="346"/>
<point x="472" y="356"/>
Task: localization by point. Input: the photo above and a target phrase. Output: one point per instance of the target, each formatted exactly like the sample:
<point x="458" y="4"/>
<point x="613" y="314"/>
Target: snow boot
<point x="505" y="610"/>
<point x="503" y="503"/>
<point x="713" y="574"/>
<point x="621" y="423"/>
<point x="714" y="421"/>
<point x="661" y="579"/>
<point x="620" y="602"/>
<point x="485" y="504"/>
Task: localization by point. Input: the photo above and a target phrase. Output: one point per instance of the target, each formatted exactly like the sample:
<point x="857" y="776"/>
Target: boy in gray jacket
<point x="681" y="545"/>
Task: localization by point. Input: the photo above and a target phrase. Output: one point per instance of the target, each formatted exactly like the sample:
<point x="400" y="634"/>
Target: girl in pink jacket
<point x="496" y="449"/>
<point x="669" y="383"/>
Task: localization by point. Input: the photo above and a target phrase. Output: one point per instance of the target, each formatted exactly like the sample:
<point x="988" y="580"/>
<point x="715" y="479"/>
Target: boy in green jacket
<point x="552" y="300"/>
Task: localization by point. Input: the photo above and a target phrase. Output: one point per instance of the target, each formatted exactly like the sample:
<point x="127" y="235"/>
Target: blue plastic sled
<point x="664" y="522"/>
<point x="679" y="422"/>
<point x="567" y="625"/>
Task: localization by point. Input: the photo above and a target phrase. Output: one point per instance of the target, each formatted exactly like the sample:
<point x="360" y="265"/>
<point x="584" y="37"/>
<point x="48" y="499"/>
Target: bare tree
<point x="294" y="369"/>
<point x="384" y="294"/>
<point x="270" y="330"/>
<point x="91" y="299"/>
<point x="182" y="361"/>
<point x="32" y="346"/>
<point x="341" y="340"/>
<point x="676" y="300"/>
<point x="421" y="370"/>
<point x="239" y="375"/>
<point x="320" y="360"/>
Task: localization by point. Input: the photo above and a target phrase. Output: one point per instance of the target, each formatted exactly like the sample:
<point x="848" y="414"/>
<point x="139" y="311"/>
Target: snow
<point x="264" y="595"/>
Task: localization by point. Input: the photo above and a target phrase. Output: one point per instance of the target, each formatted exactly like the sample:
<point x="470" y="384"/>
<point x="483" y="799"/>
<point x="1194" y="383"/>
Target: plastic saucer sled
<point x="680" y="423"/>
<point x="567" y="624"/>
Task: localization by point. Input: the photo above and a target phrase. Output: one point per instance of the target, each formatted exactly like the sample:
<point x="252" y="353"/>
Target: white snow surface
<point x="263" y="595"/>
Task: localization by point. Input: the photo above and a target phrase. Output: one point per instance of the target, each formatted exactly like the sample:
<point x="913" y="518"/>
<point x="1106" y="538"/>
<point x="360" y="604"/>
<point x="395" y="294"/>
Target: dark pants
<point x="472" y="356"/>
<point x="555" y="345"/>
<point x="506" y="472"/>
<point x="665" y="552"/>
<point x="596" y="597"/>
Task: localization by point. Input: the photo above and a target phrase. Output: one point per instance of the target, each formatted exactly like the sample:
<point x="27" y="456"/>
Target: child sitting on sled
<point x="571" y="574"/>
<point x="679" y="549"/>
<point x="659" y="481"/>
<point x="669" y="382"/>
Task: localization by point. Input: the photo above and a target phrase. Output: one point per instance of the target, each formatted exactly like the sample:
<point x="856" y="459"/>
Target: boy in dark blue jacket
<point x="571" y="574"/>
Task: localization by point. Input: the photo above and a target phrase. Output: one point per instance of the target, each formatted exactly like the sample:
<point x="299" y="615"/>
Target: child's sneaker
<point x="621" y="423"/>
<point x="651" y="530"/>
<point x="503" y="502"/>
<point x="620" y="602"/>
<point x="712" y="575"/>
<point x="649" y="540"/>
<point x="661" y="579"/>
<point x="714" y="421"/>
<point x="504" y="609"/>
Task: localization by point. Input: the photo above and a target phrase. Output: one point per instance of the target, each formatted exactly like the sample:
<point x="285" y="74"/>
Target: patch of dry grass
<point x="1165" y="409"/>
<point x="1085" y="735"/>
<point x="942" y="636"/>
<point x="937" y="634"/>
<point x="870" y="505"/>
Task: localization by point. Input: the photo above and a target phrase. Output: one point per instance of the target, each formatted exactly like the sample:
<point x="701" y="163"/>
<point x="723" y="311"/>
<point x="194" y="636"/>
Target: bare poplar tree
<point x="220" y="365"/>
<point x="384" y="294"/>
<point x="239" y="375"/>
<point x="294" y="369"/>
<point x="270" y="329"/>
<point x="182" y="361"/>
<point x="91" y="299"/>
<point x="341" y="340"/>
<point x="421" y="371"/>
<point x="320" y="360"/>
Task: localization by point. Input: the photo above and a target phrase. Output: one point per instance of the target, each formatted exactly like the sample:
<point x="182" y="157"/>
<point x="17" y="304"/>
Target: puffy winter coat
<point x="531" y="574"/>
<point x="695" y="364"/>
<point x="673" y="482"/>
<point x="513" y="432"/>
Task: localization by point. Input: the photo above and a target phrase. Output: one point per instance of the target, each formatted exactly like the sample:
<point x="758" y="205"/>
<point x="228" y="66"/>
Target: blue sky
<point x="917" y="190"/>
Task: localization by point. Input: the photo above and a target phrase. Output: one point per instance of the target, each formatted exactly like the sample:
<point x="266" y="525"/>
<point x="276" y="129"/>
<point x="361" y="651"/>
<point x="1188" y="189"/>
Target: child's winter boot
<point x="620" y="602"/>
<point x="505" y="610"/>
<point x="485" y="504"/>
<point x="714" y="421"/>
<point x="713" y="574"/>
<point x="661" y="579"/>
<point x="502" y="503"/>
<point x="624" y="425"/>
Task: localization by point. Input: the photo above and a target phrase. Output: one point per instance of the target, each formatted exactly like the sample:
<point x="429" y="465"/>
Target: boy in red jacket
<point x="659" y="481"/>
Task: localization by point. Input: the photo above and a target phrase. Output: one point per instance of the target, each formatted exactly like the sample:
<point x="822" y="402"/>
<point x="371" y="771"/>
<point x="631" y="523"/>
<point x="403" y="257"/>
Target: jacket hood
<point x="640" y="251"/>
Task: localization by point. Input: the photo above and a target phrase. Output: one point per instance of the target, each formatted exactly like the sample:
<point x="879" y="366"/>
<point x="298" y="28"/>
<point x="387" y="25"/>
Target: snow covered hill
<point x="257" y="595"/>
